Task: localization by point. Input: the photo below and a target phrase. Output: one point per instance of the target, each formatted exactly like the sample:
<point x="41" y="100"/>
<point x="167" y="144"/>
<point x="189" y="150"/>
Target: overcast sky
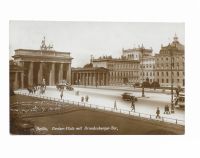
<point x="83" y="39"/>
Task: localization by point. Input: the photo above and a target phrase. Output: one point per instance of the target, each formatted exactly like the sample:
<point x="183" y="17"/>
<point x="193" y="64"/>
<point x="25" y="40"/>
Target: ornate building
<point x="169" y="64"/>
<point x="90" y="76"/>
<point x="16" y="76"/>
<point x="43" y="64"/>
<point x="148" y="66"/>
<point x="121" y="71"/>
<point x="146" y="59"/>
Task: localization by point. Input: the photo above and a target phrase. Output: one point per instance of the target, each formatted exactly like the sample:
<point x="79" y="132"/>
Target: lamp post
<point x="172" y="66"/>
<point x="142" y="51"/>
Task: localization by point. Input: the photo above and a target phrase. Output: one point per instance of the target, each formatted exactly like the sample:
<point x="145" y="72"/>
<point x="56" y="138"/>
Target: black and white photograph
<point x="96" y="78"/>
<point x="99" y="79"/>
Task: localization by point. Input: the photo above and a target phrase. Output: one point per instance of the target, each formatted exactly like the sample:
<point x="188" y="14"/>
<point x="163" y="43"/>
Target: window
<point x="177" y="80"/>
<point x="162" y="80"/>
<point x="162" y="74"/>
<point x="177" y="73"/>
<point x="166" y="58"/>
<point x="167" y="80"/>
<point x="157" y="73"/>
<point x="166" y="73"/>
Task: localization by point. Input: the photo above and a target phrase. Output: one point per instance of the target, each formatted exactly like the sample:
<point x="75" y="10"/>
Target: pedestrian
<point x="158" y="113"/>
<point x="115" y="105"/>
<point x="61" y="94"/>
<point x="86" y="98"/>
<point x="82" y="99"/>
<point x="133" y="104"/>
<point x="168" y="109"/>
<point x="165" y="109"/>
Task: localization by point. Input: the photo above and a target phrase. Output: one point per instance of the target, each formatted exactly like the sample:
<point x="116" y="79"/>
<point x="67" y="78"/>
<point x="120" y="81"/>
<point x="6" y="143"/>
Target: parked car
<point x="128" y="96"/>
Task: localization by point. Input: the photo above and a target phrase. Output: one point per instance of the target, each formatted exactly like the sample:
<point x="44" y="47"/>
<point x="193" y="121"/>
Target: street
<point x="105" y="97"/>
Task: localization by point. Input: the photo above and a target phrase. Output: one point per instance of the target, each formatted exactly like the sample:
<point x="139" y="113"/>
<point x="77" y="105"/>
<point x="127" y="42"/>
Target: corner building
<point x="169" y="64"/>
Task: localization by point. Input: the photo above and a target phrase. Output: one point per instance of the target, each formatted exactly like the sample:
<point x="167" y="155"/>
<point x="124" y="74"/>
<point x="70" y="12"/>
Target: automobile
<point x="128" y="96"/>
<point x="64" y="84"/>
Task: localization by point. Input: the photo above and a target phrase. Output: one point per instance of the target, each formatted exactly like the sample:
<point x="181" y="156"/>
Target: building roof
<point x="114" y="60"/>
<point x="90" y="69"/>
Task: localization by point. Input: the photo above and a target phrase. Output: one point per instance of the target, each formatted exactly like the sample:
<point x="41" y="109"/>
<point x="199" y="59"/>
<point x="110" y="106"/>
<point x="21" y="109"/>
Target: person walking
<point x="86" y="98"/>
<point x="168" y="112"/>
<point x="158" y="113"/>
<point x="133" y="104"/>
<point x="165" y="109"/>
<point x="82" y="99"/>
<point x="115" y="105"/>
<point x="61" y="94"/>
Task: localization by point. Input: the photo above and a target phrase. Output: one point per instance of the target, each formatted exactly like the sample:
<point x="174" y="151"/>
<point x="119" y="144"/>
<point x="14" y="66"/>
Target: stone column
<point x="83" y="78"/>
<point x="60" y="73"/>
<point x="69" y="73"/>
<point x="16" y="85"/>
<point x="77" y="81"/>
<point x="52" y="75"/>
<point x="89" y="79"/>
<point x="30" y="74"/>
<point x="107" y="81"/>
<point x="40" y="73"/>
<point x="103" y="78"/>
<point x="73" y="82"/>
<point x="22" y="80"/>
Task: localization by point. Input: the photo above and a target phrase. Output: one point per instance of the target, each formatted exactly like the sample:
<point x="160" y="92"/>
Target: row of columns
<point x="18" y="80"/>
<point x="52" y="73"/>
<point x="90" y="78"/>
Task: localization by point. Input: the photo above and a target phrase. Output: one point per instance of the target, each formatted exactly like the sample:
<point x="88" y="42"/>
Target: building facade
<point x="16" y="76"/>
<point x="121" y="71"/>
<point x="90" y="76"/>
<point x="43" y="64"/>
<point x="147" y="69"/>
<point x="169" y="64"/>
<point x="146" y="59"/>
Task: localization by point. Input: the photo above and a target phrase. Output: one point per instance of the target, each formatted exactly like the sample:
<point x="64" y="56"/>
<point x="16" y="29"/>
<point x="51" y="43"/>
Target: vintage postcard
<point x="97" y="78"/>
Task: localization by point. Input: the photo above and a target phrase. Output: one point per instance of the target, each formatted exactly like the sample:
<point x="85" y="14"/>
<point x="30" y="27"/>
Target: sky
<point x="83" y="39"/>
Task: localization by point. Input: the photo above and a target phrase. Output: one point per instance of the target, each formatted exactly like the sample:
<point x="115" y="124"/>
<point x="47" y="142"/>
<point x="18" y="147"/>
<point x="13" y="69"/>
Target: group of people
<point x="40" y="88"/>
<point x="166" y="111"/>
<point x="86" y="98"/>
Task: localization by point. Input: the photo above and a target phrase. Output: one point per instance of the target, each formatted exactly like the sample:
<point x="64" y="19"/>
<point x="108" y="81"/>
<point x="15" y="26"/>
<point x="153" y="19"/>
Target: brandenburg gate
<point x="43" y="64"/>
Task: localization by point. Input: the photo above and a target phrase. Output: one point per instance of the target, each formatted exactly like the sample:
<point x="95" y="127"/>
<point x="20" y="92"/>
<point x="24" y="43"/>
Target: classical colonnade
<point x="90" y="78"/>
<point x="52" y="72"/>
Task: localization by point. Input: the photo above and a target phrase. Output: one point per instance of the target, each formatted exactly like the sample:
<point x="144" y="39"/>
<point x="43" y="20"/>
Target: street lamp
<point x="142" y="51"/>
<point x="172" y="66"/>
